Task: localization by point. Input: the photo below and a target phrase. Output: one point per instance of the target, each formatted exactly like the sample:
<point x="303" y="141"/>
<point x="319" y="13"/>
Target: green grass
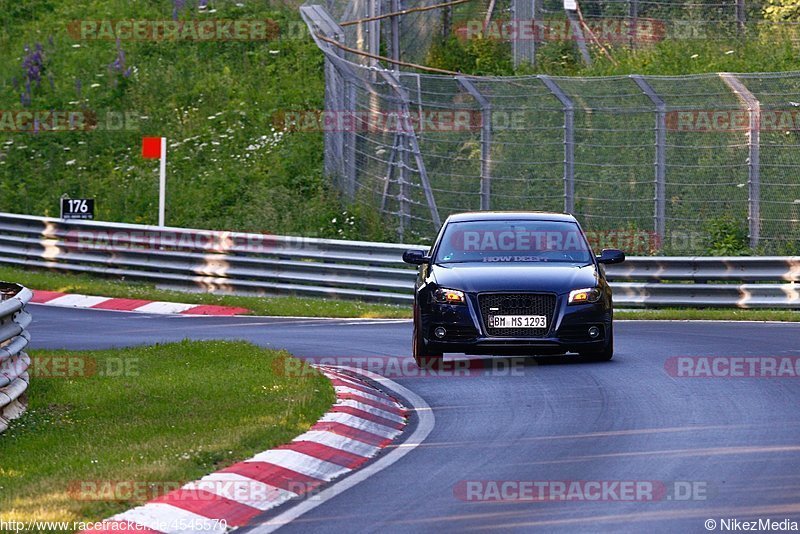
<point x="708" y="314"/>
<point x="283" y="306"/>
<point x="179" y="412"/>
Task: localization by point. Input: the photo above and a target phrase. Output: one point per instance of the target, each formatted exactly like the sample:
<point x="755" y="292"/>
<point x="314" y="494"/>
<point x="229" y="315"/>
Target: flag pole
<point x="162" y="183"/>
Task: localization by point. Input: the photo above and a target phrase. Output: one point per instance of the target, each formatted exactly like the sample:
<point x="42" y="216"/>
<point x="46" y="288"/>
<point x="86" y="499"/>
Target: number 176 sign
<point x="77" y="208"/>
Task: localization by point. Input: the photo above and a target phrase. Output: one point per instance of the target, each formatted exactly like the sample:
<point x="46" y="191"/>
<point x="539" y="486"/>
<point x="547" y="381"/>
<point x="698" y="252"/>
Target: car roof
<point x="510" y="215"/>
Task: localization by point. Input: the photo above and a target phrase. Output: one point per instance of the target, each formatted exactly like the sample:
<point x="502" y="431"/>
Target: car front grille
<point x="517" y="304"/>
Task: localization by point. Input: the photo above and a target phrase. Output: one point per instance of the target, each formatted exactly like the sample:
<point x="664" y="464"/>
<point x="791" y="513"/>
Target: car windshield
<point x="511" y="241"/>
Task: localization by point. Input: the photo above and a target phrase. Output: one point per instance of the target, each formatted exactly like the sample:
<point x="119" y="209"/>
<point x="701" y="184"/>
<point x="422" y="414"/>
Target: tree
<point x="782" y="10"/>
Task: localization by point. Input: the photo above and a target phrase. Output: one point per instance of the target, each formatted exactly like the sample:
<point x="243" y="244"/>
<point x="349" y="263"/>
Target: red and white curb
<point x="362" y="421"/>
<point x="69" y="300"/>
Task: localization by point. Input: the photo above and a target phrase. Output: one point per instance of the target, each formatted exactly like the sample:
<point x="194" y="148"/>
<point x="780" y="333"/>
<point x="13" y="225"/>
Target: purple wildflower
<point x="33" y="65"/>
<point x="118" y="65"/>
<point x="177" y="7"/>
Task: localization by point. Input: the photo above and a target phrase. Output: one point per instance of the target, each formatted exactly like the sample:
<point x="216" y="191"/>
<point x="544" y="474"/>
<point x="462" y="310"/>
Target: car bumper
<point x="466" y="333"/>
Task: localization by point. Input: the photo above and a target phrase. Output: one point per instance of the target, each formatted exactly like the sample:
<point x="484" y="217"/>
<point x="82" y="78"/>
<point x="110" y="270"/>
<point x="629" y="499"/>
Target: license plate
<point x="517" y="321"/>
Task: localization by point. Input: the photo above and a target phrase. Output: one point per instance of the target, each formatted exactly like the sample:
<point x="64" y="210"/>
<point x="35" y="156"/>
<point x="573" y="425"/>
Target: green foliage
<point x="480" y="57"/>
<point x="727" y="237"/>
<point x="765" y="49"/>
<point x="782" y="10"/>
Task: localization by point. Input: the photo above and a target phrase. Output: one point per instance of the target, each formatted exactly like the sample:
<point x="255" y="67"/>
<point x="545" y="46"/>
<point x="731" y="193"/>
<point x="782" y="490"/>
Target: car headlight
<point x="582" y="296"/>
<point x="449" y="296"/>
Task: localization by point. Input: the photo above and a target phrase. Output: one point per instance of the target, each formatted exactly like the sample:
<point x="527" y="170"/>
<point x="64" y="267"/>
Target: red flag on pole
<point x="151" y="147"/>
<point x="156" y="148"/>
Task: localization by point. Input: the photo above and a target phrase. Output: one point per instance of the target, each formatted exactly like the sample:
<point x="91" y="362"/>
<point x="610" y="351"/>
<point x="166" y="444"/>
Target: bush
<point x="727" y="237"/>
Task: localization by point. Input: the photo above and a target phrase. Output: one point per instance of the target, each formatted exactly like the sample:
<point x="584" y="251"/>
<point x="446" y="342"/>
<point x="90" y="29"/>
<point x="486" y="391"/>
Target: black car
<point x="512" y="283"/>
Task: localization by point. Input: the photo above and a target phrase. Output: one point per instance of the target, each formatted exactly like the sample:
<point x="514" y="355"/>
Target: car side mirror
<point x="415" y="257"/>
<point x="611" y="255"/>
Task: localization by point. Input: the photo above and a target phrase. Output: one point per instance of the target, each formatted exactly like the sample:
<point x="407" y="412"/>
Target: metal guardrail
<point x="216" y="261"/>
<point x="14" y="362"/>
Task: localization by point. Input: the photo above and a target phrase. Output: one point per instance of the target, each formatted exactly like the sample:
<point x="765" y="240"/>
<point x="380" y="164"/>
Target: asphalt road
<point x="735" y="441"/>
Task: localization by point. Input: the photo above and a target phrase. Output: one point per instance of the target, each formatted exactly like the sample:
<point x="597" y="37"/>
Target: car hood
<point x="550" y="277"/>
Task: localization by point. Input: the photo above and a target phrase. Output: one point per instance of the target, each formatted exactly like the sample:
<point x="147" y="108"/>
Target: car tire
<point x="423" y="358"/>
<point x="606" y="353"/>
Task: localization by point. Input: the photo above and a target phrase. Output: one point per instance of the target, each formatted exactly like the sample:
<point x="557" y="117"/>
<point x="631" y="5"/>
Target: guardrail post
<point x="14" y="362"/>
<point x="569" y="142"/>
<point x="754" y="149"/>
<point x="660" y="189"/>
<point x="486" y="140"/>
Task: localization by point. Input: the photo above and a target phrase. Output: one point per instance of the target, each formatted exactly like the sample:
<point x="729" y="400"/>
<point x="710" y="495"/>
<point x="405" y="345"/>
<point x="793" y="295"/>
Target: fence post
<point x="395" y="34"/>
<point x="524" y="50"/>
<point x="754" y="149"/>
<point x="342" y="98"/>
<point x="486" y="140"/>
<point x="740" y="15"/>
<point x="633" y="16"/>
<point x="374" y="30"/>
<point x="447" y="22"/>
<point x="659" y="216"/>
<point x="569" y="142"/>
<point x="349" y="140"/>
